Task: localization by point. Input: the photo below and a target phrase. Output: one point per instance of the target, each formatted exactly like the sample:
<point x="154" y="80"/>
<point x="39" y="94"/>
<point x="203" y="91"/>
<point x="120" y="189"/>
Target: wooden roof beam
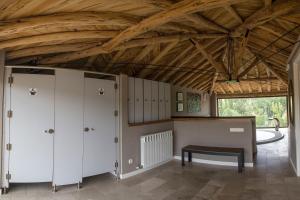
<point x="162" y="74"/>
<point x="62" y="58"/>
<point x="56" y="37"/>
<point x="218" y="66"/>
<point x="197" y="62"/>
<point x="234" y="14"/>
<point x="248" y="69"/>
<point x="275" y="72"/>
<point x="203" y="22"/>
<point x="115" y="58"/>
<point x="213" y="84"/>
<point x="175" y="11"/>
<point x="265" y="14"/>
<point x="146" y="71"/>
<point x="146" y="50"/>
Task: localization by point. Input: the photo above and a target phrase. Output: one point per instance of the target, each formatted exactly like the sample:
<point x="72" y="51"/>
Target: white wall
<point x="205" y="105"/>
<point x="294" y="129"/>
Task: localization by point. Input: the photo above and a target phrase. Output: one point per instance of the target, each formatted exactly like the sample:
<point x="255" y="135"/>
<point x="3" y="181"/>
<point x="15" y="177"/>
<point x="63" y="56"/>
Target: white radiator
<point x="156" y="148"/>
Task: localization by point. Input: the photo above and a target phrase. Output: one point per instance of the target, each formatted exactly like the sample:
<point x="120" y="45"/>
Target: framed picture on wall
<point x="291" y="102"/>
<point x="179" y="107"/>
<point x="193" y="102"/>
<point x="179" y="96"/>
<point x="179" y="102"/>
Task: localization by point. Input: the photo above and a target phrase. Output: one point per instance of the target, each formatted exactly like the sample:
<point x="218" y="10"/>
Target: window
<point x="264" y="109"/>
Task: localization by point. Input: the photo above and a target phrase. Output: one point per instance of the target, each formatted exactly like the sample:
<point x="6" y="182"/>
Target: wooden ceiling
<point x="181" y="42"/>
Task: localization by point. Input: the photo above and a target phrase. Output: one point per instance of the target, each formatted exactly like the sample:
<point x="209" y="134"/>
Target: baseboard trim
<point x="293" y="166"/>
<point x="196" y="160"/>
<point x="215" y="162"/>
<point x="139" y="171"/>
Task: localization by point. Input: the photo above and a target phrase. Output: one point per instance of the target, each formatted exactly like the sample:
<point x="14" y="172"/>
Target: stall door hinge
<point x="116" y="139"/>
<point x="116" y="86"/>
<point x="116" y="164"/>
<point x="8" y="147"/>
<point x="116" y="113"/>
<point x="9" y="113"/>
<point x="10" y="80"/>
<point x="8" y="176"/>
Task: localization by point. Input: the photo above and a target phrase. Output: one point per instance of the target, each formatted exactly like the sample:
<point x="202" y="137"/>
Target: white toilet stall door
<point x="99" y="122"/>
<point x="32" y="103"/>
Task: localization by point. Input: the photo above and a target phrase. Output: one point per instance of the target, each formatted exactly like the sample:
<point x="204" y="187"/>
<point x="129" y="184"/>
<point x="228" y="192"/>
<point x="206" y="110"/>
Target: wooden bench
<point x="223" y="151"/>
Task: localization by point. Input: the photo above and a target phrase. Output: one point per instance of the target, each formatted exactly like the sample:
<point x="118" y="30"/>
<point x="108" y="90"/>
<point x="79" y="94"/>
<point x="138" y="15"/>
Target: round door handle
<point x="86" y="129"/>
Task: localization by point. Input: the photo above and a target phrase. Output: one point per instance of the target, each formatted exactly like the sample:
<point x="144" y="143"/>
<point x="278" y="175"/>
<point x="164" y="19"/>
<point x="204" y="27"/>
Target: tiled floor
<point x="271" y="179"/>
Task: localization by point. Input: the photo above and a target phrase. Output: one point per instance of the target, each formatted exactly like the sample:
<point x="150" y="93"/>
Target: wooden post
<point x="2" y="64"/>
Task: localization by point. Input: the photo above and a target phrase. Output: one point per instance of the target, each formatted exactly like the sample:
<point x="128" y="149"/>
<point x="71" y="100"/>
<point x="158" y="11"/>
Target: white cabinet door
<point x="161" y="98"/>
<point x="138" y="105"/>
<point x="168" y="100"/>
<point x="154" y="103"/>
<point x="68" y="137"/>
<point x="131" y="100"/>
<point x="99" y="126"/>
<point x="32" y="103"/>
<point x="147" y="100"/>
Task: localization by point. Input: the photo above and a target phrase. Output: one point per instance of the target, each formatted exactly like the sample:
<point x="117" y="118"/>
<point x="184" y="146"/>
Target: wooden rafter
<point x="265" y="14"/>
<point x="146" y="71"/>
<point x="130" y="44"/>
<point x="218" y="66"/>
<point x="234" y="14"/>
<point x="177" y="10"/>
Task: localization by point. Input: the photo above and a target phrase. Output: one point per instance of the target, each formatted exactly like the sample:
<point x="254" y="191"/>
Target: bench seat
<point x="223" y="151"/>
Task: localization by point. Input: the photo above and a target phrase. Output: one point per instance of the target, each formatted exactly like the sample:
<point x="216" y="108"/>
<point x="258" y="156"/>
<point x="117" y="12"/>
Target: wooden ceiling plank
<point x="175" y="11"/>
<point x="218" y="66"/>
<point x="234" y="13"/>
<point x="138" y="58"/>
<point x="62" y="58"/>
<point x="196" y="64"/>
<point x="275" y="72"/>
<point x="146" y="71"/>
<point x="161" y="75"/>
<point x="204" y="22"/>
<point x="62" y="36"/>
<point x="174" y="73"/>
<point x="116" y="57"/>
<point x="265" y="14"/>
<point x="248" y="69"/>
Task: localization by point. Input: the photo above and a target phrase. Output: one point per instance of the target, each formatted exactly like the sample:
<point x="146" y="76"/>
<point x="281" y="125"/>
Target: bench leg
<point x="190" y="156"/>
<point x="243" y="160"/>
<point x="182" y="158"/>
<point x="240" y="164"/>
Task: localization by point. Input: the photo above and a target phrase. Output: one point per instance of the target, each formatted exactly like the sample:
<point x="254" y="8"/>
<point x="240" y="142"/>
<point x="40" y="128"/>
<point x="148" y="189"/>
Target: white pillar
<point x="2" y="63"/>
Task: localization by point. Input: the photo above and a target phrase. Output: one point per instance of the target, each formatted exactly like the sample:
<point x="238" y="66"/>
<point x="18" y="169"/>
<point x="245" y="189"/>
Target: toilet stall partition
<point x="60" y="125"/>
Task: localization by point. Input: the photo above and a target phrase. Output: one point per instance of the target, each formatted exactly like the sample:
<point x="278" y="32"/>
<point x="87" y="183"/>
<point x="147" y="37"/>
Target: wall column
<point x="213" y="105"/>
<point x="2" y="71"/>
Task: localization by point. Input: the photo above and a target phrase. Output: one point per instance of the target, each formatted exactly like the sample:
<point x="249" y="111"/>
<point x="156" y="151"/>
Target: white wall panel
<point x="68" y="137"/>
<point x="131" y="100"/>
<point x="168" y="100"/>
<point x="161" y="103"/>
<point x="147" y="100"/>
<point x="138" y="106"/>
<point x="154" y="103"/>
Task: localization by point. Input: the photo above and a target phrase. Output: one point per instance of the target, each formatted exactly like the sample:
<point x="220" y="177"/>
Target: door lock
<point x="50" y="131"/>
